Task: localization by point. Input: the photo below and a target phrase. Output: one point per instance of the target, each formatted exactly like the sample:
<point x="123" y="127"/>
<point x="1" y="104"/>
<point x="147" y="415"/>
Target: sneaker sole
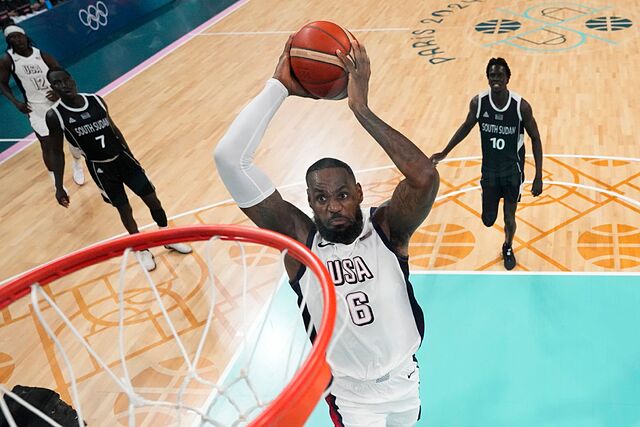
<point x="180" y="252"/>
<point x="78" y="181"/>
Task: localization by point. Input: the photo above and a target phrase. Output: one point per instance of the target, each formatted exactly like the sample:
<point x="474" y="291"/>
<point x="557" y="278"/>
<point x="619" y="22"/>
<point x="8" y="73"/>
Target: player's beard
<point x="344" y="235"/>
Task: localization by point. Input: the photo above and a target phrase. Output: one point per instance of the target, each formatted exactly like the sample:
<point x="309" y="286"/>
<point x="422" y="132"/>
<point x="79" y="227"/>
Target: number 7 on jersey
<point x="101" y="139"/>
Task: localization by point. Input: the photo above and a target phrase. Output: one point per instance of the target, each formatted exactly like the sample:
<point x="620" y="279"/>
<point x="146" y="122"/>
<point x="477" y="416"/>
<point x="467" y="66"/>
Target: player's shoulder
<point x="5" y="58"/>
<point x="516" y="96"/>
<point x="481" y="94"/>
<point x="92" y="97"/>
<point x="522" y="102"/>
<point x="477" y="98"/>
<point x="54" y="109"/>
<point x="101" y="101"/>
<point x="52" y="116"/>
<point x="96" y="97"/>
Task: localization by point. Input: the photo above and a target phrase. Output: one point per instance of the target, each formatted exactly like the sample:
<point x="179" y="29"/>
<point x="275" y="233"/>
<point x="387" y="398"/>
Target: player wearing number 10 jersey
<point x="503" y="117"/>
<point x="84" y="120"/>
<point x="375" y="376"/>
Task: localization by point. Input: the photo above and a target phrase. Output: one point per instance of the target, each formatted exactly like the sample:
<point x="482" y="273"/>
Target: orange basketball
<point x="314" y="62"/>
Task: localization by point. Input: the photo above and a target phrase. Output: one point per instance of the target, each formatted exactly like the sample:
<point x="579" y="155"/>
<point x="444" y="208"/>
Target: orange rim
<point x="296" y="401"/>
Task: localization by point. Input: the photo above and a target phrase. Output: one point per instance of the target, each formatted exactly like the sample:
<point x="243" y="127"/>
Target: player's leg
<point x="126" y="216"/>
<point x="112" y="189"/>
<point x="405" y="409"/>
<point x="491" y="196"/>
<point x="136" y="179"/>
<point x="510" y="226"/>
<point x="78" y="172"/>
<point x="509" y="232"/>
<point x="113" y="193"/>
<point x="39" y="126"/>
<point x="392" y="400"/>
<point x="160" y="217"/>
<point x="404" y="419"/>
<point x="512" y="193"/>
<point x="349" y="414"/>
<point x="45" y="156"/>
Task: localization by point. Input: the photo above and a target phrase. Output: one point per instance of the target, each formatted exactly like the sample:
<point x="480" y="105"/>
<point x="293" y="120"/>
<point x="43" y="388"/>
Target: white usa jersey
<point x="30" y="73"/>
<point x="383" y="323"/>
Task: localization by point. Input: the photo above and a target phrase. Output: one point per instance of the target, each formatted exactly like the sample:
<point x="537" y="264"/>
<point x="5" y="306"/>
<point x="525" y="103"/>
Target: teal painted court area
<point x="512" y="350"/>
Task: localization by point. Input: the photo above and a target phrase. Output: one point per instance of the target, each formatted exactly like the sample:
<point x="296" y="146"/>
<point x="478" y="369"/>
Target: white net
<point x="209" y="338"/>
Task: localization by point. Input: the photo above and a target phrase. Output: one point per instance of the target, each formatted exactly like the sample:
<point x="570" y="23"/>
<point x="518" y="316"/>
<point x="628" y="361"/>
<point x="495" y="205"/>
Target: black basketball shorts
<point x="111" y="177"/>
<point x="495" y="188"/>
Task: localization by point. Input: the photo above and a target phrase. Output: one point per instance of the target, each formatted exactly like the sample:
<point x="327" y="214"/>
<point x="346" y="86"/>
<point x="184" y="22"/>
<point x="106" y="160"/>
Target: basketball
<point x="313" y="59"/>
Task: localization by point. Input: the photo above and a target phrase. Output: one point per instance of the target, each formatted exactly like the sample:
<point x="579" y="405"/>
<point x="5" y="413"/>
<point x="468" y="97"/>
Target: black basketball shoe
<point x="508" y="256"/>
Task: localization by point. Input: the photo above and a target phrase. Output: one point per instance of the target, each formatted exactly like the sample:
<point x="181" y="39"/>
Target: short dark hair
<point x="499" y="61"/>
<point x="57" y="69"/>
<point x="327" y="163"/>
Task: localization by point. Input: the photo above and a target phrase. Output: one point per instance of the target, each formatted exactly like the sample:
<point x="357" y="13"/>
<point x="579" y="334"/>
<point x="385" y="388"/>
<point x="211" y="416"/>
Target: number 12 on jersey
<point x="361" y="312"/>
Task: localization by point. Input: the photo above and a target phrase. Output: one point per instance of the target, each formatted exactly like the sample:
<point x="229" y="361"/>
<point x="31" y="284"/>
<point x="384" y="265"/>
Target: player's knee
<point x="151" y="198"/>
<point x="489" y="218"/>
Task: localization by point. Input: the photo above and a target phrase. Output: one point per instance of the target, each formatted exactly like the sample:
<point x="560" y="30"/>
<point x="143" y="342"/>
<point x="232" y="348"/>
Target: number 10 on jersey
<point x="498" y="143"/>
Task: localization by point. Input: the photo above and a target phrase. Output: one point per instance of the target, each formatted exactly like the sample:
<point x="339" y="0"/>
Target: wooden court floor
<point x="575" y="62"/>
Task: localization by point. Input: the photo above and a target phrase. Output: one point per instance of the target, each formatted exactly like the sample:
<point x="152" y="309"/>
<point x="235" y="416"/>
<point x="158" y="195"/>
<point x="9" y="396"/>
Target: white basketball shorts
<point x="390" y="401"/>
<point x="37" y="117"/>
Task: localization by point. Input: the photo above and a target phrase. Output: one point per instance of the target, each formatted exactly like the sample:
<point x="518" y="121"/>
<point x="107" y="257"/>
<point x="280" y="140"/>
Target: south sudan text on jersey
<point x="500" y="130"/>
<point x="96" y="126"/>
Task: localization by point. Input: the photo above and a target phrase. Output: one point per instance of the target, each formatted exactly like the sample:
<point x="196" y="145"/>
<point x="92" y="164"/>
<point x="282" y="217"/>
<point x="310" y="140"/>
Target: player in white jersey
<point x="503" y="116"/>
<point x="375" y="375"/>
<point x="29" y="67"/>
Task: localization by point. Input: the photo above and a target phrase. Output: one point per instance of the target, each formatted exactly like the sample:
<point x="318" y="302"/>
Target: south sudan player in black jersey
<point x="84" y="120"/>
<point x="503" y="117"/>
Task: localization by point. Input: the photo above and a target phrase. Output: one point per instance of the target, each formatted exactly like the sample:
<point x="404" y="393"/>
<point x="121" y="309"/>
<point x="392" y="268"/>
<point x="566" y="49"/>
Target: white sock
<point x="53" y="177"/>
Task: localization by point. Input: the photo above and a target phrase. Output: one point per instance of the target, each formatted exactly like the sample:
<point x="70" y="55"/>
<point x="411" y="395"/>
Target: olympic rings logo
<point x="94" y="16"/>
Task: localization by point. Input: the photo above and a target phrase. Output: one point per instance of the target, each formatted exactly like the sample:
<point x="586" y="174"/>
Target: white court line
<point x="11" y="139"/>
<point x="522" y="273"/>
<point x="275" y="32"/>
<point x="561" y="156"/>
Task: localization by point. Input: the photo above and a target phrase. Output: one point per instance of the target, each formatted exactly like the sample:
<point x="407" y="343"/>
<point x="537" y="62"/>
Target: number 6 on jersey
<point x="360" y="311"/>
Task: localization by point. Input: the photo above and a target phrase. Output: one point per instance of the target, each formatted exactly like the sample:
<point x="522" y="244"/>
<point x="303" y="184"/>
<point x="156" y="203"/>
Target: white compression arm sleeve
<point x="247" y="184"/>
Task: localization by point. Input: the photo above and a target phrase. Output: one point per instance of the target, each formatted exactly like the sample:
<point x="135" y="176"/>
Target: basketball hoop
<point x="295" y="402"/>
